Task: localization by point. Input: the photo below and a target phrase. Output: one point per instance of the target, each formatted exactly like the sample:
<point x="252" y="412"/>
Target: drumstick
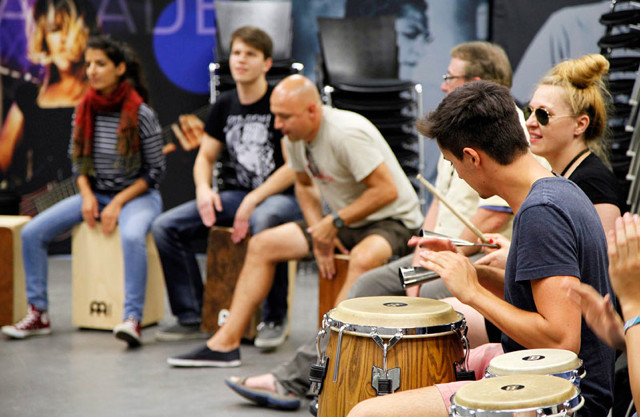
<point x="440" y="197"/>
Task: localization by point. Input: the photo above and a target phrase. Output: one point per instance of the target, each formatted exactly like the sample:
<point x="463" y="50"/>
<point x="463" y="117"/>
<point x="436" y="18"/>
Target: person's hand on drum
<point x="495" y="257"/>
<point x="325" y="241"/>
<point x="598" y="312"/>
<point x="208" y="203"/>
<point x="241" y="219"/>
<point x="456" y="270"/>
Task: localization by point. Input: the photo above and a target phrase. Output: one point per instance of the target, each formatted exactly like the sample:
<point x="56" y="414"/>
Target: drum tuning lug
<point x="317" y="375"/>
<point x="385" y="382"/>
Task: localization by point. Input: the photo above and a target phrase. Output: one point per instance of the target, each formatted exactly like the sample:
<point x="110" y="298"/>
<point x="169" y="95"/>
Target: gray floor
<point x="90" y="373"/>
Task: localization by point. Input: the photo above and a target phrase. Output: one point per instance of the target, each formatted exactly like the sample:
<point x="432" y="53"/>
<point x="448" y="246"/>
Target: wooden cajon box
<point x="97" y="270"/>
<point x="328" y="289"/>
<point x="224" y="262"/>
<point x="13" y="300"/>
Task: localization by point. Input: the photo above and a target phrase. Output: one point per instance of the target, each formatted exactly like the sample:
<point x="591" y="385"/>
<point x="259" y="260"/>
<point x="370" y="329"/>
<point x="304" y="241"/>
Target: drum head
<point x="515" y="392"/>
<point x="534" y="361"/>
<point x="405" y="312"/>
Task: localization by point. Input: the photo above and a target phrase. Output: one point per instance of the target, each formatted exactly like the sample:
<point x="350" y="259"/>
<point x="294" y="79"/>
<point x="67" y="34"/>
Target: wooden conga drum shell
<point x="328" y="289"/>
<point x="425" y="357"/>
<point x="224" y="263"/>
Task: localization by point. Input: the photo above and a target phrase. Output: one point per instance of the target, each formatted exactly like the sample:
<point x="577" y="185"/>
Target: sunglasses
<point x="542" y="115"/>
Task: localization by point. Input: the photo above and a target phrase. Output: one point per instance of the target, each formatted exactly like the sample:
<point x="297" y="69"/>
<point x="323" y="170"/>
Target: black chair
<point x="274" y="17"/>
<point x="358" y="71"/>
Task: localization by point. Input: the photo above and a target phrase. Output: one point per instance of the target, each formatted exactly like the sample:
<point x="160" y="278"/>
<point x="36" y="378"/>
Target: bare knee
<point x="364" y="408"/>
<point x="361" y="261"/>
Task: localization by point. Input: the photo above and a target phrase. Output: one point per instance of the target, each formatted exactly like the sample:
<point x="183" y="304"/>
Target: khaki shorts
<point x="393" y="231"/>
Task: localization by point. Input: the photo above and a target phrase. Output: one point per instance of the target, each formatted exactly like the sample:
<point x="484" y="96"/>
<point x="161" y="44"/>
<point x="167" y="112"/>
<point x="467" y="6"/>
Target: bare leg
<point x="422" y="402"/>
<point x="477" y="334"/>
<point x="265" y="250"/>
<point x="372" y="252"/>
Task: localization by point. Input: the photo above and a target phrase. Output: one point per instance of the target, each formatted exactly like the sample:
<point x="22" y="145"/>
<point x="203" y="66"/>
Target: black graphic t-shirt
<point x="252" y="146"/>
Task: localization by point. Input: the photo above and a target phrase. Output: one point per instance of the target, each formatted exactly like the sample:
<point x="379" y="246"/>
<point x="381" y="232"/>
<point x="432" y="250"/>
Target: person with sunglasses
<point x="567" y="120"/>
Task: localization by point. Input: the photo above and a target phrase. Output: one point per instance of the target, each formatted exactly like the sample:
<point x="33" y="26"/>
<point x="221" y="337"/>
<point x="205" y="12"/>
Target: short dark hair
<point x="479" y="114"/>
<point x="254" y="37"/>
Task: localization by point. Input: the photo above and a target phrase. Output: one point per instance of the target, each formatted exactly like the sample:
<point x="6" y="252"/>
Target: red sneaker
<point x="35" y="323"/>
<point x="129" y="331"/>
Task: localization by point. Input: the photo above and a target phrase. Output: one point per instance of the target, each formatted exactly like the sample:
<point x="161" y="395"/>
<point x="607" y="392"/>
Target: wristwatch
<point x="337" y="221"/>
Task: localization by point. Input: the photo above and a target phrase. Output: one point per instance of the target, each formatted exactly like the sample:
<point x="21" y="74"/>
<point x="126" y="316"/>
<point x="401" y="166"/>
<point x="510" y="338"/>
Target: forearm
<point x="529" y="329"/>
<point x="131" y="192"/>
<point x="492" y="279"/>
<point x="280" y="180"/>
<point x="370" y="201"/>
<point x="84" y="186"/>
<point x="310" y="202"/>
<point x="202" y="172"/>
<point x="632" y="340"/>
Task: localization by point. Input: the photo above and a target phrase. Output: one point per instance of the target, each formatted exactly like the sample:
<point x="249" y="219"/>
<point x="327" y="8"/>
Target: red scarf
<point x="124" y="99"/>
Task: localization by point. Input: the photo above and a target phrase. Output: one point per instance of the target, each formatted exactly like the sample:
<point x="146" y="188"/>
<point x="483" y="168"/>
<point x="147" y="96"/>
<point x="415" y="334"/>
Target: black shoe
<point x="313" y="406"/>
<point x="204" y="356"/>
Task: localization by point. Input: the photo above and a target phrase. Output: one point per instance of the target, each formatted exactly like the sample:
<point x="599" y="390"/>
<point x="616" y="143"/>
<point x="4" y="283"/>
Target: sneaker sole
<point x="21" y="334"/>
<point x="269" y="343"/>
<point x="191" y="363"/>
<point x="171" y="337"/>
<point x="132" y="341"/>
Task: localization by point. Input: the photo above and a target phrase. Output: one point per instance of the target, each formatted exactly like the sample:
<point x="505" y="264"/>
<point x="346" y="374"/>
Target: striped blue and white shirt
<point x="112" y="175"/>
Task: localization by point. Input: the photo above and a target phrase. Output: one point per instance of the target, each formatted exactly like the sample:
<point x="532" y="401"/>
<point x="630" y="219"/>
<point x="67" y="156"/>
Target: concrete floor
<point x="91" y="374"/>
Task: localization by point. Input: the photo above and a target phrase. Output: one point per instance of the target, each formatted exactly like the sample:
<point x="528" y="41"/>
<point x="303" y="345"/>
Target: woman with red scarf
<point x="116" y="149"/>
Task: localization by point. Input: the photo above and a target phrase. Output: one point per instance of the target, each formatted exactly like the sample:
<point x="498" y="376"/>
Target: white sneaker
<point x="129" y="331"/>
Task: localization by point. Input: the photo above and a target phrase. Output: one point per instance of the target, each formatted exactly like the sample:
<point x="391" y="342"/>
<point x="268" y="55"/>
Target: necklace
<point x="575" y="158"/>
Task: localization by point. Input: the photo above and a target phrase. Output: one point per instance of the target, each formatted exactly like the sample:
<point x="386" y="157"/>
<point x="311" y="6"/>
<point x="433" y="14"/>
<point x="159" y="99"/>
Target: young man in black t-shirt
<point x="254" y="190"/>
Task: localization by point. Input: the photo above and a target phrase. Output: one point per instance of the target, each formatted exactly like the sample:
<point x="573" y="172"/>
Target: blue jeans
<point x="134" y="223"/>
<point x="174" y="231"/>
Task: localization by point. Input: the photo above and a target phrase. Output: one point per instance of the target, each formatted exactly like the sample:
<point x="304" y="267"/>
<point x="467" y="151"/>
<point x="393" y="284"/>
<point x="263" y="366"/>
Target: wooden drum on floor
<point x="557" y="362"/>
<point x="380" y="345"/>
<point x="517" y="396"/>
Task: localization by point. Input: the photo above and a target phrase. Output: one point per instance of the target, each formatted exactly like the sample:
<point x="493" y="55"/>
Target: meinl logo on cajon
<point x="99" y="308"/>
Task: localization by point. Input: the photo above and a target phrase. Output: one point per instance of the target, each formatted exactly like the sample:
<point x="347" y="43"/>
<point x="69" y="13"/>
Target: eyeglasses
<point x="447" y="77"/>
<point x="542" y="115"/>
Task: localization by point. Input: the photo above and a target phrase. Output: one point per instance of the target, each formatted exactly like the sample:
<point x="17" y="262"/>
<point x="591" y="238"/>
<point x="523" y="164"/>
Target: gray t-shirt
<point x="346" y="150"/>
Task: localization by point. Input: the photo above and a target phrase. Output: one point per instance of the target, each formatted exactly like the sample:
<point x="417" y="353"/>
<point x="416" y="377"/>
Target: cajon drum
<point x="97" y="270"/>
<point x="224" y="262"/>
<point x="13" y="300"/>
<point x="328" y="289"/>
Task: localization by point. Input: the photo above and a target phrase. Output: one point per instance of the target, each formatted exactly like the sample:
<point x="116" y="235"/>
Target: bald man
<point x="340" y="156"/>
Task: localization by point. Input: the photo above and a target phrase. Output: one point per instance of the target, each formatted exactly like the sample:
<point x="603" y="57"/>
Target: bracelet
<point x="630" y="323"/>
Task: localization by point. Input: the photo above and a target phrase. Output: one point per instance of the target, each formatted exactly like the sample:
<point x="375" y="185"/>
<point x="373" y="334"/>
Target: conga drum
<point x="517" y="396"/>
<point x="380" y="345"/>
<point x="557" y="362"/>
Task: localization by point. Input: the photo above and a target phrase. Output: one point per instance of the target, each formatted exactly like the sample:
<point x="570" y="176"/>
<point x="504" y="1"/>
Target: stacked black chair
<point x="621" y="45"/>
<point x="274" y="17"/>
<point x="359" y="72"/>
